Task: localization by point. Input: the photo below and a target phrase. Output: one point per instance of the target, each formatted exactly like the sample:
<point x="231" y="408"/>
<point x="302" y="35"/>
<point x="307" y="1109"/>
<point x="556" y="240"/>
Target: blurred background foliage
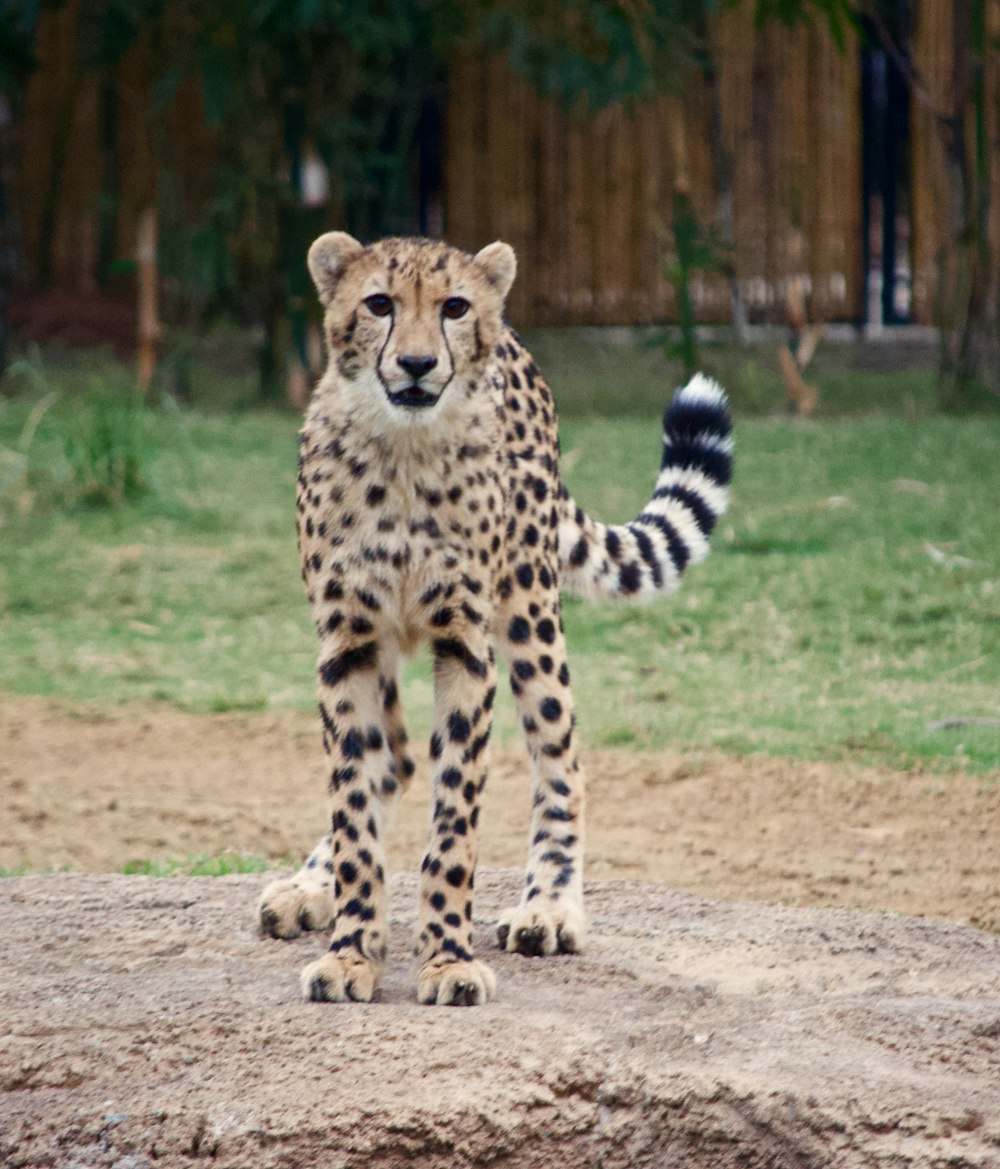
<point x="287" y="84"/>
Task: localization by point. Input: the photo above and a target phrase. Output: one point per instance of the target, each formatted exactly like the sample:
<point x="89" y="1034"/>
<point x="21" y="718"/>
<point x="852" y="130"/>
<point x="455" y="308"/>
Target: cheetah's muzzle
<point x="413" y="398"/>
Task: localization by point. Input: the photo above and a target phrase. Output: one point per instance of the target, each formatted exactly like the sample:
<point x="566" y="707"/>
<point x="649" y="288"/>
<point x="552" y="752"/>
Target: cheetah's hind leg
<point x="303" y="902"/>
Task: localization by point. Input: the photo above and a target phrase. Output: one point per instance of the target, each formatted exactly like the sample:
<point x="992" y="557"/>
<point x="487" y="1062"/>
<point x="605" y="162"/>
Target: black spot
<point x="451" y="777"/>
<point x="630" y="577"/>
<point x="334" y="670"/>
<point x="436" y="746"/>
<point x="450" y="946"/>
<point x="334" y="590"/>
<point x="519" y="631"/>
<point x="455" y="876"/>
<point x="361" y="625"/>
<point x="438" y="901"/>
<point x="358" y="800"/>
<point x="546" y="630"/>
<point x="578" y="553"/>
<point x="348" y="872"/>
<point x="472" y="615"/>
<point x="458" y="727"/>
<point x="369" y="600"/>
<point x="524" y="669"/>
<point x="373" y="739"/>
<point x="451" y="648"/>
<point x="353" y="745"/>
<point x="375" y="494"/>
<point x="551" y="709"/>
<point x="525" y="576"/>
<point x="478" y="744"/>
<point x="530" y="535"/>
<point x="442" y="617"/>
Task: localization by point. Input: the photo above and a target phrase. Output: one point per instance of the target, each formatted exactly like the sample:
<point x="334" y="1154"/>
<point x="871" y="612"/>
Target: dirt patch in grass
<point x="91" y="791"/>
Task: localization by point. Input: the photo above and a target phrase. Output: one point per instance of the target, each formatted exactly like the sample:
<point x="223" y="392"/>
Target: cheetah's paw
<point x="536" y="930"/>
<point x="289" y="906"/>
<point x="456" y="984"/>
<point x="340" y="978"/>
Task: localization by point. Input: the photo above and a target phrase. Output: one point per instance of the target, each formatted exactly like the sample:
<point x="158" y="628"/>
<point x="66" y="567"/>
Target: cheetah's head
<point x="410" y="323"/>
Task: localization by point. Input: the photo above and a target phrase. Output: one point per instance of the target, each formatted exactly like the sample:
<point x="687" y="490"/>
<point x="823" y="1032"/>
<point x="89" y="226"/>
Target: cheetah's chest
<point x="384" y="550"/>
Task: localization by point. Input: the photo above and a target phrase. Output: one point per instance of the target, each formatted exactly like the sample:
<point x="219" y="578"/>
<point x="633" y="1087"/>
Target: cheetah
<point x="430" y="510"/>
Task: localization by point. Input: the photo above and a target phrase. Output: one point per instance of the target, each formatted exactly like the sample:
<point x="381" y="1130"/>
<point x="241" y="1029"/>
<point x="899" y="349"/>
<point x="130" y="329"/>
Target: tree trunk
<point x="966" y="293"/>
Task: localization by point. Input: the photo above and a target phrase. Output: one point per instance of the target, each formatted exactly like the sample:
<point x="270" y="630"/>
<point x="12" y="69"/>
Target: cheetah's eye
<point x="455" y="307"/>
<point x="379" y="305"/>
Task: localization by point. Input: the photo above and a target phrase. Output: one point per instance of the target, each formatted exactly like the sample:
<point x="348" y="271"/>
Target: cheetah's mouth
<point x="413" y="398"/>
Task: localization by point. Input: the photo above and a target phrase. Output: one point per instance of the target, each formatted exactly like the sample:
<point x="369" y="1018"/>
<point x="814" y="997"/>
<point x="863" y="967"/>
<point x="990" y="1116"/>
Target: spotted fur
<point x="430" y="511"/>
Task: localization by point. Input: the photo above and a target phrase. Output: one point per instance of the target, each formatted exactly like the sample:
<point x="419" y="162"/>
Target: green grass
<point x="852" y="599"/>
<point x="200" y="865"/>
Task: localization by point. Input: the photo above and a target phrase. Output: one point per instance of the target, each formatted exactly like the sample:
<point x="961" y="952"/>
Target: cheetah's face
<point x="410" y="323"/>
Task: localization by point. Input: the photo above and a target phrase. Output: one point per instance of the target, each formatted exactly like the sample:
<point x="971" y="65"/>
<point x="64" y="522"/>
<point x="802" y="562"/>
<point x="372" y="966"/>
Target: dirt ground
<point x="147" y="1024"/>
<point x="88" y="790"/>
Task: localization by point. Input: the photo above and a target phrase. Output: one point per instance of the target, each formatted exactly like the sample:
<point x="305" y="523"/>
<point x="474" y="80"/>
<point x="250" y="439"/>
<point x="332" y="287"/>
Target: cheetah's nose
<point x="416" y="367"/>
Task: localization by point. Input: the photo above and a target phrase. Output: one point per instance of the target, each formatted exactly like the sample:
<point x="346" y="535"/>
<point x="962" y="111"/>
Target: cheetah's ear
<point x="328" y="257"/>
<point x="500" y="265"/>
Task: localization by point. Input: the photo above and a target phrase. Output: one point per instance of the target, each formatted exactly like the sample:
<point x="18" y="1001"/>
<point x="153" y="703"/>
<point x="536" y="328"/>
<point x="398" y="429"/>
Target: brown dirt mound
<point x="90" y="790"/>
<point x="145" y="1024"/>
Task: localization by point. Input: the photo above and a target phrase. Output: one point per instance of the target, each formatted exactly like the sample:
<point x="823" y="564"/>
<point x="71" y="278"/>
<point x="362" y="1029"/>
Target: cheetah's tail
<point x="647" y="556"/>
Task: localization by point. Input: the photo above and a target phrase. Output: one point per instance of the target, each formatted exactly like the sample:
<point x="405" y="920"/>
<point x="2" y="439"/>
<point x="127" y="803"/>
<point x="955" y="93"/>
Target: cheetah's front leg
<point x="305" y="901"/>
<point x="550" y="918"/>
<point x="464" y="690"/>
<point x="362" y="782"/>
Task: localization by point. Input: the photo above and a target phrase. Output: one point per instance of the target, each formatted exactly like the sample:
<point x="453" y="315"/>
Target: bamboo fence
<point x="585" y="200"/>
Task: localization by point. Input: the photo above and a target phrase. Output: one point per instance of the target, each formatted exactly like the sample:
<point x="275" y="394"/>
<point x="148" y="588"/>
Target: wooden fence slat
<point x="579" y="197"/>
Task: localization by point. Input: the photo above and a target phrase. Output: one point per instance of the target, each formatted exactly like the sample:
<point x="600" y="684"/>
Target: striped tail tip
<point x="697" y="431"/>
